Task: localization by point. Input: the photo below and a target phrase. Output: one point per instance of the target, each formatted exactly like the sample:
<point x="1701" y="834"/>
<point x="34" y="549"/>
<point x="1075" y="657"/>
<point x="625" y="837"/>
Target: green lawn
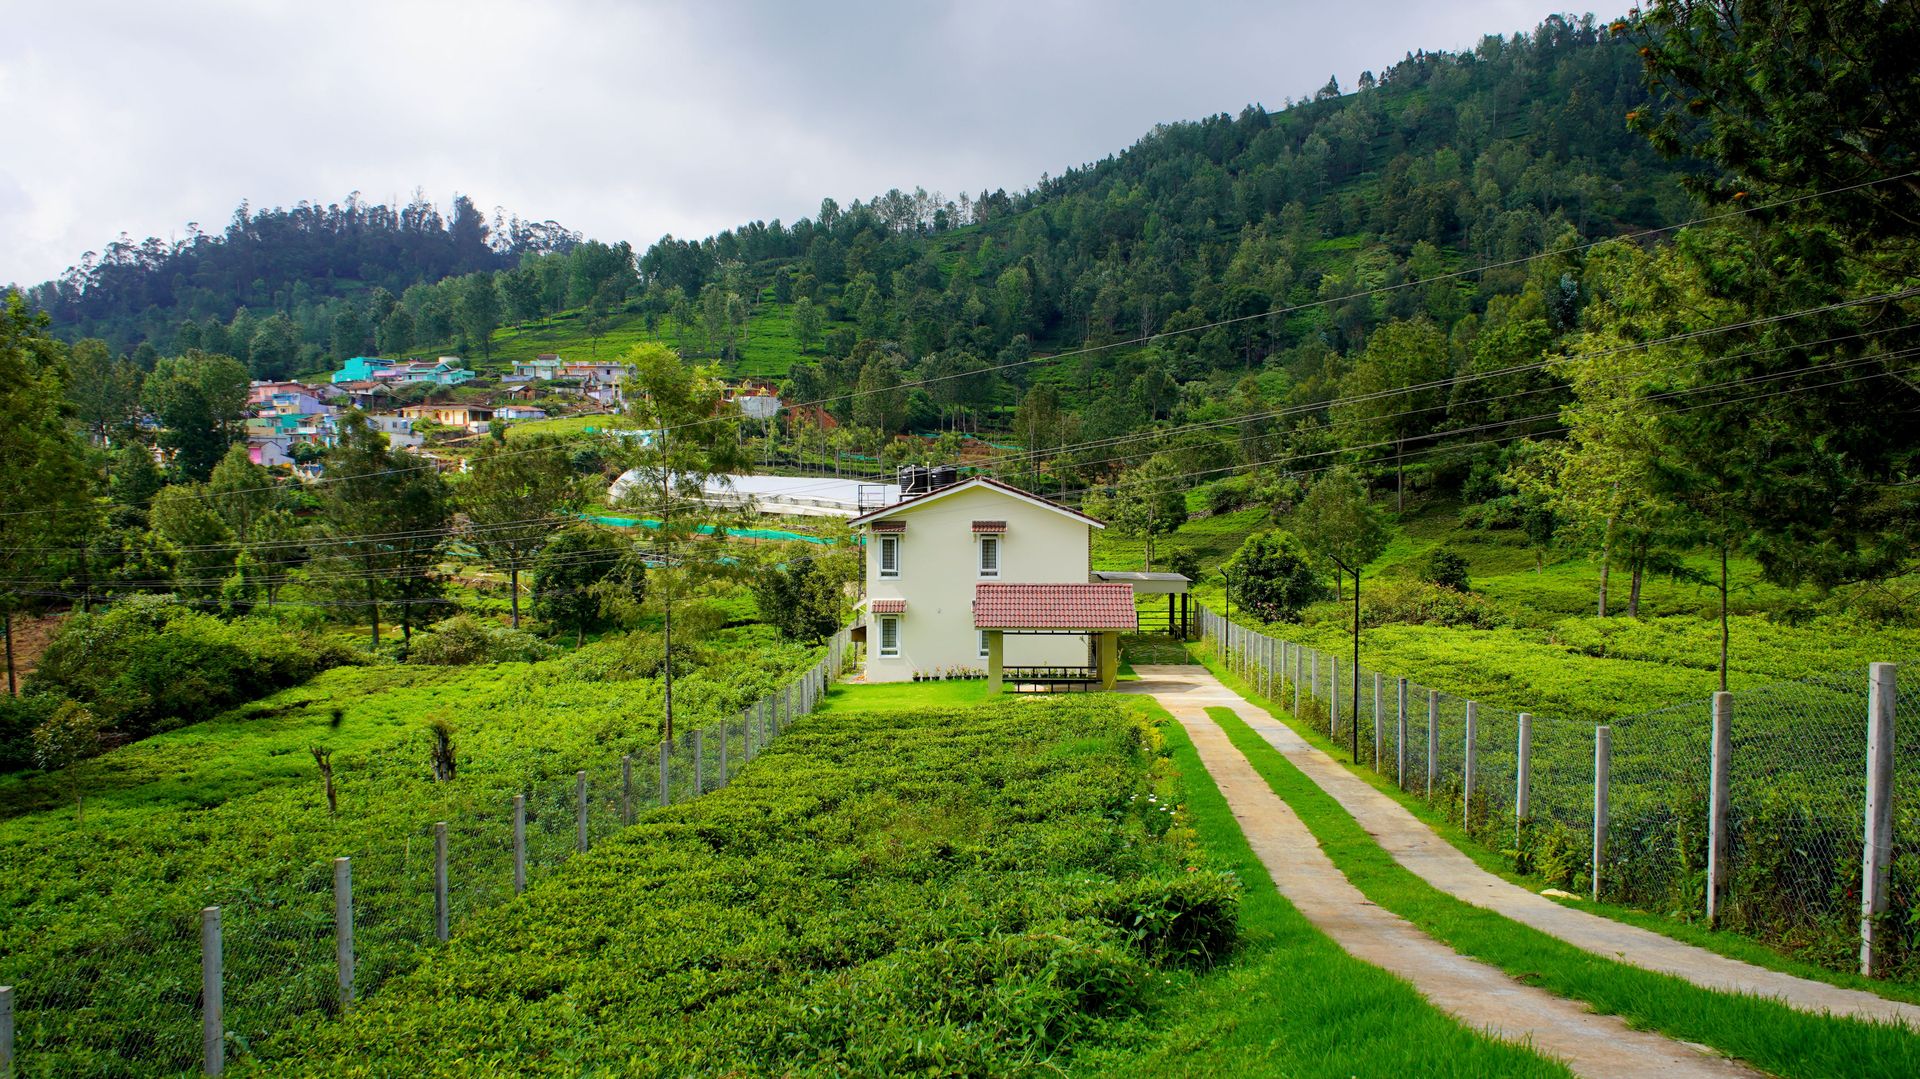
<point x="890" y="696"/>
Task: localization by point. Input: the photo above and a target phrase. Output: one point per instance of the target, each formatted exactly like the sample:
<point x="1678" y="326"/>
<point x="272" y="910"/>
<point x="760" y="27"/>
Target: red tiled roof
<point x="1053" y="606"/>
<point x="889" y="606"/>
<point x="889" y="526"/>
<point x="989" y="526"/>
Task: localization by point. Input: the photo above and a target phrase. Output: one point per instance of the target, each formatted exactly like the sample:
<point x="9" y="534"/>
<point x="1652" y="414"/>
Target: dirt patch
<point x="31" y="636"/>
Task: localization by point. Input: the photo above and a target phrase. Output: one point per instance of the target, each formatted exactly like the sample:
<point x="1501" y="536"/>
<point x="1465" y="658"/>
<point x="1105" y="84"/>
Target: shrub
<point x="1446" y="569"/>
<point x="18" y="717"/>
<point x="1227" y="495"/>
<point x="1416" y="603"/>
<point x="1184" y="561"/>
<point x="150" y="664"/>
<point x="1273" y="576"/>
<point x="464" y="639"/>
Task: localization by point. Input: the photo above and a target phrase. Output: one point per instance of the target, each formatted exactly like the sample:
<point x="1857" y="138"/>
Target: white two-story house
<point x="982" y="576"/>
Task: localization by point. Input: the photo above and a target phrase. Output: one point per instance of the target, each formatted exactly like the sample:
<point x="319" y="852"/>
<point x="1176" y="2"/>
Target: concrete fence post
<point x="1878" y="853"/>
<point x="1522" y="775"/>
<point x="442" y="916"/>
<point x="1433" y="740"/>
<point x="1333" y="696"/>
<point x="1379" y="719"/>
<point x="213" y="1023"/>
<point x="6" y="1032"/>
<point x="1299" y="671"/>
<point x="666" y="773"/>
<point x="1717" y="797"/>
<point x="1602" y="765"/>
<point x="519" y="843"/>
<point x="699" y="763"/>
<point x="343" y="927"/>
<point x="1471" y="763"/>
<point x="626" y="788"/>
<point x="1400" y="735"/>
<point x="580" y="810"/>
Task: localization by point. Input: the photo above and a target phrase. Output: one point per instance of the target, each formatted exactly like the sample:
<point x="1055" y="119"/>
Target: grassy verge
<point x="1771" y="1036"/>
<point x="1291" y="1001"/>
<point x="1730" y="945"/>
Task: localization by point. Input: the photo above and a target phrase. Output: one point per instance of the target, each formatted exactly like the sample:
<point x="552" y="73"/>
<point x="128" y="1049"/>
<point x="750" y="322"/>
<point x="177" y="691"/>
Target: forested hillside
<point x="285" y="283"/>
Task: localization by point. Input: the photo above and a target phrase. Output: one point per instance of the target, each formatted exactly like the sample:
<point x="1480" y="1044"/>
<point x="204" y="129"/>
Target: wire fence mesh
<point x="1796" y="794"/>
<point x="127" y="998"/>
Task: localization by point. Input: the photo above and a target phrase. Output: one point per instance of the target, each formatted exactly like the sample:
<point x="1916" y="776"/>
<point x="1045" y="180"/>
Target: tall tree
<point x="806" y="324"/>
<point x="254" y="505"/>
<point x="1146" y="503"/>
<point x="513" y="498"/>
<point x="104" y="389"/>
<point x="1807" y="107"/>
<point x="383" y="517"/>
<point x="198" y="398"/>
<point x="1339" y="522"/>
<point x="1395" y="393"/>
<point x="477" y="307"/>
<point x="692" y="443"/>
<point x="565" y="573"/>
<point x="45" y="483"/>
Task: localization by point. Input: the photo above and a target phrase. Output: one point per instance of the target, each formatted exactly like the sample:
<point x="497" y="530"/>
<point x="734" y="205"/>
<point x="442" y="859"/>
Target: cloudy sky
<point x="624" y="120"/>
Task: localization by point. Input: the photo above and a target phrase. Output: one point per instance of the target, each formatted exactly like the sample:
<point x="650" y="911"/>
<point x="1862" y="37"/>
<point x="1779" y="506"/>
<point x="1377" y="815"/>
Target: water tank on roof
<point x="919" y="479"/>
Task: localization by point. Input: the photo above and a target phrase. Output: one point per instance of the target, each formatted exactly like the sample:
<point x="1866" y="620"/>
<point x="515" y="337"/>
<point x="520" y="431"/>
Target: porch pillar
<point x="1109" y="658"/>
<point x="996" y="653"/>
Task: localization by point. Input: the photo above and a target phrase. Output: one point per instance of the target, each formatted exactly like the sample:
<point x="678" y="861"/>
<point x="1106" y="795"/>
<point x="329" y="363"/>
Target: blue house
<point x="361" y="369"/>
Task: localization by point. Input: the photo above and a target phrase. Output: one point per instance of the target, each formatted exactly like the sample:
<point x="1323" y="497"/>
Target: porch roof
<point x="1093" y="606"/>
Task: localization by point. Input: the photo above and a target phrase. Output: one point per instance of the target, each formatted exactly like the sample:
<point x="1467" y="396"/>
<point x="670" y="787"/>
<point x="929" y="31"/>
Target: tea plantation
<point x="99" y="917"/>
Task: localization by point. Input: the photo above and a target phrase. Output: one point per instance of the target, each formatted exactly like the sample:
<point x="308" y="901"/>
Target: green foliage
<point x="566" y="572"/>
<point x="1448" y="570"/>
<point x="376" y="491"/>
<point x="801" y="598"/>
<point x="18" y="718"/>
<point x="1146" y="502"/>
<point x="1021" y="884"/>
<point x="464" y="639"/>
<point x="513" y="499"/>
<point x="1414" y="603"/>
<point x="149" y="664"/>
<point x="1273" y="576"/>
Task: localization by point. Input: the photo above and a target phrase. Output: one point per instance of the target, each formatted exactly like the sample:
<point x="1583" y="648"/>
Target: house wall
<point x="940" y="564"/>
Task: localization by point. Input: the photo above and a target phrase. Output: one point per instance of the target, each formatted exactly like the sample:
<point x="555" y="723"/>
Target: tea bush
<point x="972" y="891"/>
<point x="98" y="920"/>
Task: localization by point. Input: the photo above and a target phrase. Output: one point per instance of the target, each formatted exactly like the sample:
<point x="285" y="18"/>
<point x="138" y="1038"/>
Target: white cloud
<point x="624" y="120"/>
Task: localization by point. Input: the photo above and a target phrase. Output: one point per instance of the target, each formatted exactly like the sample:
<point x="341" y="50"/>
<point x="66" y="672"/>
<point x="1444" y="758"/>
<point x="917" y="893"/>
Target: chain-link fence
<point x="1796" y="782"/>
<point x="296" y="940"/>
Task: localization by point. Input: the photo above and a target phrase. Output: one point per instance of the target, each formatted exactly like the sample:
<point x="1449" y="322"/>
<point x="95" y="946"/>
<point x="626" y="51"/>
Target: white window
<point x="983" y="644"/>
<point x="989" y="556"/>
<point x="890" y="635"/>
<point x="889" y="556"/>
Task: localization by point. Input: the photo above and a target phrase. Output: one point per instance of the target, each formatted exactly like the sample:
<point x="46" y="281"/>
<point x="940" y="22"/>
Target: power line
<point x="1149" y="338"/>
